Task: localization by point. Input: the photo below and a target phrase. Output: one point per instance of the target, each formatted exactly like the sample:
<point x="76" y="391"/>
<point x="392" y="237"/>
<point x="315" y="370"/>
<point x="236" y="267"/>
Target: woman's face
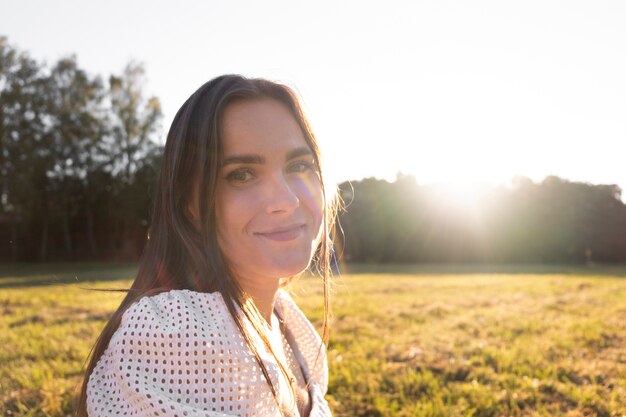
<point x="269" y="197"/>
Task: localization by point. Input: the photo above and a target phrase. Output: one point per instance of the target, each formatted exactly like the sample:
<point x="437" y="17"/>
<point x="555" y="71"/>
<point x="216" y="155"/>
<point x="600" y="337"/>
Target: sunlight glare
<point x="458" y="195"/>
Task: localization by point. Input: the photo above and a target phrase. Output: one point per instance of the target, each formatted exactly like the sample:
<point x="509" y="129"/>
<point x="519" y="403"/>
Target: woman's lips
<point x="282" y="234"/>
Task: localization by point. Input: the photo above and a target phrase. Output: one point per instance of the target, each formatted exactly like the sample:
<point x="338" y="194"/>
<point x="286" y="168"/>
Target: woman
<point x="206" y="329"/>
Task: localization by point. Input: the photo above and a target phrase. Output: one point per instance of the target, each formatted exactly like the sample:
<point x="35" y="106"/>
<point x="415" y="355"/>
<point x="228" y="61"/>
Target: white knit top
<point x="180" y="353"/>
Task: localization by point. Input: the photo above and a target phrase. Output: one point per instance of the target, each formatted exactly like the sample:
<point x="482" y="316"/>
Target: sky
<point x="447" y="91"/>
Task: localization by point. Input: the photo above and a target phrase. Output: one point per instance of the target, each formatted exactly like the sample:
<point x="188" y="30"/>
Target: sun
<point x="458" y="195"/>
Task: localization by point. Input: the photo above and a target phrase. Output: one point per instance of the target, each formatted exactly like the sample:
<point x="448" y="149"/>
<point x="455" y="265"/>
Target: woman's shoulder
<point x="177" y="310"/>
<point x="177" y="353"/>
<point x="174" y="323"/>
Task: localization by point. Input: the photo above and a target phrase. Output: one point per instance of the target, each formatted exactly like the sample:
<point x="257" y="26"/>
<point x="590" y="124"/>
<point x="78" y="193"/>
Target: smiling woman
<point x="268" y="197"/>
<point x="206" y="329"/>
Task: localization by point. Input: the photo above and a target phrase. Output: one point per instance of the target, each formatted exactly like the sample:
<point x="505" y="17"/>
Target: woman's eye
<point x="301" y="166"/>
<point x="240" y="175"/>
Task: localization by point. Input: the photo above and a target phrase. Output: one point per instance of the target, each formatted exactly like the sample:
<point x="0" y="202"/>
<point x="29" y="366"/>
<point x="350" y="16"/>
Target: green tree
<point x="134" y="122"/>
<point x="8" y="62"/>
<point x="27" y="153"/>
<point x="77" y="127"/>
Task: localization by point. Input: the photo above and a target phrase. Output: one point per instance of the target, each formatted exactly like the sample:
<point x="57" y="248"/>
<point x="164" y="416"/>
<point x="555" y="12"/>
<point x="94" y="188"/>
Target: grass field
<point x="406" y="341"/>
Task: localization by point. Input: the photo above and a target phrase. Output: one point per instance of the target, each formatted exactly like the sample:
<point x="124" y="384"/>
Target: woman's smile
<point x="284" y="233"/>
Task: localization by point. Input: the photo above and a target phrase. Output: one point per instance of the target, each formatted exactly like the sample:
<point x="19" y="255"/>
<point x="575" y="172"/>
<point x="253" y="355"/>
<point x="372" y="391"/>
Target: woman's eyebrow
<point x="243" y="159"/>
<point x="302" y="151"/>
<point x="258" y="159"/>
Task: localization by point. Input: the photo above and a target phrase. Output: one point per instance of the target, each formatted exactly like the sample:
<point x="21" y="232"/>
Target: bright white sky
<point x="445" y="90"/>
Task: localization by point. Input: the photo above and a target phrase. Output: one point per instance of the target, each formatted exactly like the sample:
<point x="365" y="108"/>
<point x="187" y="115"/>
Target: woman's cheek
<point x="310" y="188"/>
<point x="317" y="207"/>
<point x="232" y="211"/>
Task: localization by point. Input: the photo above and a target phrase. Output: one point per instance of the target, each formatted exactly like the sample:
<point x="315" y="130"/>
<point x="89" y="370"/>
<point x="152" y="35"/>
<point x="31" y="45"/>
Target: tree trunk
<point x="66" y="234"/>
<point x="91" y="238"/>
<point x="14" y="248"/>
<point x="43" y="249"/>
<point x="122" y="240"/>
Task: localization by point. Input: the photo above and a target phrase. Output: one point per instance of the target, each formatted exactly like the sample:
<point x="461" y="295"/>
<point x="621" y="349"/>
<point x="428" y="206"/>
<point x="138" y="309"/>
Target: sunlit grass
<point x="420" y="344"/>
<point x="46" y="332"/>
<point x="481" y="345"/>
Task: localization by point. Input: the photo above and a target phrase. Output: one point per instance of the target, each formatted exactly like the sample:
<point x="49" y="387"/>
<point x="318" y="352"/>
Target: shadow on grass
<point x="33" y="275"/>
<point x="59" y="321"/>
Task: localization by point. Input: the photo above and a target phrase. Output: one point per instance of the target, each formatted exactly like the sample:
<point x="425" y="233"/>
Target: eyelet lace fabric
<point x="180" y="354"/>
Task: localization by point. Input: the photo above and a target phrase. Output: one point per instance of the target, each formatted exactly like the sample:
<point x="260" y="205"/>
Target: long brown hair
<point x="179" y="254"/>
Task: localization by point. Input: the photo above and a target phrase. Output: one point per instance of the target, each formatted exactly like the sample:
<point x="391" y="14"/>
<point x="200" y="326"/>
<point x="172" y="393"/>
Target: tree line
<point x="79" y="162"/>
<point x="77" y="159"/>
<point x="553" y="221"/>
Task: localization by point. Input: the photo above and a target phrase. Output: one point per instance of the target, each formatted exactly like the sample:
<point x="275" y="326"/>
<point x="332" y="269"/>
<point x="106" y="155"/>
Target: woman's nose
<point x="281" y="195"/>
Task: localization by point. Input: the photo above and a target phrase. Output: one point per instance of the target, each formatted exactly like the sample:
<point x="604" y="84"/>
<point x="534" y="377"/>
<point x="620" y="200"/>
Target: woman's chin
<point x="285" y="269"/>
